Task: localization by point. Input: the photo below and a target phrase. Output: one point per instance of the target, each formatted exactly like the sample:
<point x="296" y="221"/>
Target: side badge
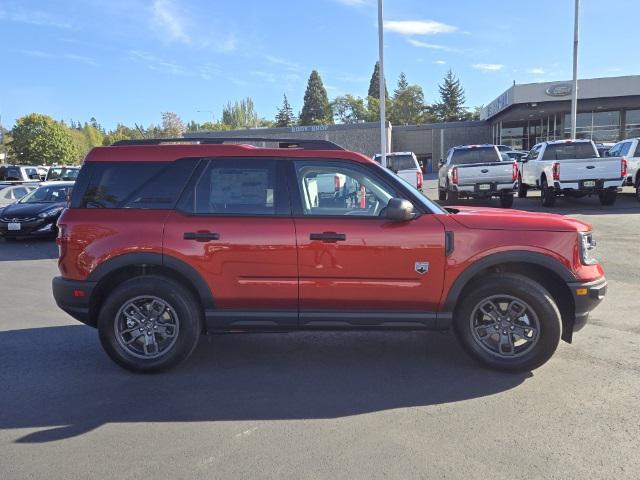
<point x="422" y="267"/>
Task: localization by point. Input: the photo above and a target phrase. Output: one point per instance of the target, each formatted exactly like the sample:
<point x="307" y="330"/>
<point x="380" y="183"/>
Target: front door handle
<point x="328" y="237"/>
<point x="201" y="236"/>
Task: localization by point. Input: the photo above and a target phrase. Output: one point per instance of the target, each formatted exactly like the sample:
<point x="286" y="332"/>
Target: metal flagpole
<point x="574" y="90"/>
<point x="383" y="116"/>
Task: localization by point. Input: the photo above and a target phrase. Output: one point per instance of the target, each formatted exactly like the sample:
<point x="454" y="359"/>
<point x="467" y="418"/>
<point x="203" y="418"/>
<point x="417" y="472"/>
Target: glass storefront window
<point x="597" y="126"/>
<point x="513" y="134"/>
<point x="633" y="124"/>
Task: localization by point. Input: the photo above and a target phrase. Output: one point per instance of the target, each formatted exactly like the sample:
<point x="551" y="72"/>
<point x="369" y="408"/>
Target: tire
<point x="520" y="354"/>
<point x="608" y="197"/>
<point x="547" y="194"/>
<point x="506" y="200"/>
<point x="442" y="195"/>
<point x="181" y="321"/>
<point x="638" y="189"/>
<point x="522" y="188"/>
<point x="451" y="195"/>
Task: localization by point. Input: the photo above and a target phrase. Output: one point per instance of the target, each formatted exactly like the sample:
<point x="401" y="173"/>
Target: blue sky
<point x="128" y="60"/>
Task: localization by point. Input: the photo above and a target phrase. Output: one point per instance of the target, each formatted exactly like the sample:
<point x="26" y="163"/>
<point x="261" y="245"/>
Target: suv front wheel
<point x="149" y="324"/>
<point x="508" y="322"/>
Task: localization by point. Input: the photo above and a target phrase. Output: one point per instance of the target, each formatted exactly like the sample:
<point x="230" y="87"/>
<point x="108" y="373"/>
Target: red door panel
<point x="251" y="266"/>
<point x="374" y="268"/>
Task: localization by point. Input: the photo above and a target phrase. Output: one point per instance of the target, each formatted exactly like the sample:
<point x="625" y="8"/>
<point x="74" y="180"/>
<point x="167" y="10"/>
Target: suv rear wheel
<point x="508" y="322"/>
<point x="149" y="324"/>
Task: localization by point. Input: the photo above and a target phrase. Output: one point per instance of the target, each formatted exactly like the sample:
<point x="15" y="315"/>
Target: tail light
<point x="336" y="183"/>
<point x="514" y="172"/>
<point x="454" y="175"/>
<point x="556" y="171"/>
<point x="419" y="180"/>
<point x="623" y="167"/>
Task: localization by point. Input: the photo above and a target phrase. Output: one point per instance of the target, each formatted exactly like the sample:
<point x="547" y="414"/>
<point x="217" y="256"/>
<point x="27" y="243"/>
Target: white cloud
<point x="536" y="71"/>
<point x="35" y="17"/>
<point x="169" y="21"/>
<point x="421" y="44"/>
<point x="64" y="56"/>
<point x="282" y="62"/>
<point x="418" y="27"/>
<point x="439" y="62"/>
<point x="159" y="64"/>
<point x="488" y="67"/>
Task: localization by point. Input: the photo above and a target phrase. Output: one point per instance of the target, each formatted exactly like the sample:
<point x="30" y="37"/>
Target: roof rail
<point x="306" y="144"/>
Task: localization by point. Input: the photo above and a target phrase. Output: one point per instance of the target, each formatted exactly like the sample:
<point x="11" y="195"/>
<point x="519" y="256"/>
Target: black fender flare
<point x="167" y="261"/>
<point x="518" y="256"/>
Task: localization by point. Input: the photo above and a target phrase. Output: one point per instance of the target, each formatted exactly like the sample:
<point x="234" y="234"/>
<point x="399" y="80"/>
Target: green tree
<point x="172" y="125"/>
<point x="285" y="117"/>
<point x="40" y="140"/>
<point x="373" y="109"/>
<point x="122" y="132"/>
<point x="374" y="84"/>
<point x="349" y="109"/>
<point x="240" y="114"/>
<point x="408" y="103"/>
<point x="451" y="106"/>
<point x="316" y="109"/>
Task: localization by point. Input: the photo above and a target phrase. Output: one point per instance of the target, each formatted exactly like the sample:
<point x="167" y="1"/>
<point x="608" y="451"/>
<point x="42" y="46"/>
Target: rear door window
<point x="238" y="187"/>
<point x="147" y="185"/>
<point x="465" y="156"/>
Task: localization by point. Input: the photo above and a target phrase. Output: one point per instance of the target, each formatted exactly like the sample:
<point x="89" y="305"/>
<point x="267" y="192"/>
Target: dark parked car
<point x="36" y="213"/>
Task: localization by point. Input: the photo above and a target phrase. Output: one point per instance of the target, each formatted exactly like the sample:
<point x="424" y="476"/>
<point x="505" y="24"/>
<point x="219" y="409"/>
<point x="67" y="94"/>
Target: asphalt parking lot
<point x="354" y="405"/>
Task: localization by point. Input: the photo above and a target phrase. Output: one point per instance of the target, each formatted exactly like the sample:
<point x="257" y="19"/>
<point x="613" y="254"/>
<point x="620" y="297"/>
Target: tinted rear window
<point x="401" y="162"/>
<point x="135" y="184"/>
<point x="475" y="155"/>
<point x="564" y="151"/>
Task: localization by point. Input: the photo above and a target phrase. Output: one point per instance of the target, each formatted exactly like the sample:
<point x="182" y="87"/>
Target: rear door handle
<point x="328" y="237"/>
<point x="201" y="236"/>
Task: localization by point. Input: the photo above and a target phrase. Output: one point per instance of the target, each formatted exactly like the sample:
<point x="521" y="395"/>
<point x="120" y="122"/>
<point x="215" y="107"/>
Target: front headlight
<point x="50" y="213"/>
<point x="587" y="248"/>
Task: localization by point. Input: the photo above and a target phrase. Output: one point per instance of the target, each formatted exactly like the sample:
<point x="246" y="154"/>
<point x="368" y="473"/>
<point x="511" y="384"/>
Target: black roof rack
<point x="306" y="144"/>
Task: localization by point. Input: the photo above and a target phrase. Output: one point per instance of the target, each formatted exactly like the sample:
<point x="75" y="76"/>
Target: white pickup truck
<point x="572" y="168"/>
<point x="629" y="149"/>
<point x="477" y="171"/>
<point x="405" y="165"/>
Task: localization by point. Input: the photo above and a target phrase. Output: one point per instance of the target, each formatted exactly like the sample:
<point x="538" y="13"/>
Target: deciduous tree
<point x="40" y="140"/>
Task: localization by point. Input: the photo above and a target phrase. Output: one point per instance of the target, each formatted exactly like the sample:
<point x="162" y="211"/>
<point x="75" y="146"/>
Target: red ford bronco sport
<point x="165" y="240"/>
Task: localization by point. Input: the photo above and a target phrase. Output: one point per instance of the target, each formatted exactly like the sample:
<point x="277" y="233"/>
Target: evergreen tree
<point x="374" y="84"/>
<point x="316" y="109"/>
<point x="240" y="114"/>
<point x="451" y="106"/>
<point x="285" y="117"/>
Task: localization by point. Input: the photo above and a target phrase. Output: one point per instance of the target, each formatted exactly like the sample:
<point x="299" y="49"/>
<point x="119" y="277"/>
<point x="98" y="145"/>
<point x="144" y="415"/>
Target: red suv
<point x="165" y="240"/>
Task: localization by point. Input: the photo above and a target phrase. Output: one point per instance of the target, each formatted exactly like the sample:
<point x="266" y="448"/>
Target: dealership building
<point x="608" y="111"/>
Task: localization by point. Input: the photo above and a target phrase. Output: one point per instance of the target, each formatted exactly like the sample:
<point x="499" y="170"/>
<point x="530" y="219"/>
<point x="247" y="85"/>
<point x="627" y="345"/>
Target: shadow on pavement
<point x="32" y="249"/>
<point x="59" y="380"/>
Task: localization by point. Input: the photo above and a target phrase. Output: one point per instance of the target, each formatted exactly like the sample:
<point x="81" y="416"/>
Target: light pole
<point x="383" y="126"/>
<point x="574" y="90"/>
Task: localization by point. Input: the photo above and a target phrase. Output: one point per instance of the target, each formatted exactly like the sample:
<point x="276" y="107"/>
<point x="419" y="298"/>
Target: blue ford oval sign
<point x="559" y="90"/>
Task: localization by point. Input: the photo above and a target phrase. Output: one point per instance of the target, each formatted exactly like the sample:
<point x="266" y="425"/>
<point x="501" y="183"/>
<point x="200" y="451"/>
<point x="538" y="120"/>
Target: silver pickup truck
<point x="477" y="171"/>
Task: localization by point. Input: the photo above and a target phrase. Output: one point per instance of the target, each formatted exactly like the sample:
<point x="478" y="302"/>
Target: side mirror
<point x="399" y="210"/>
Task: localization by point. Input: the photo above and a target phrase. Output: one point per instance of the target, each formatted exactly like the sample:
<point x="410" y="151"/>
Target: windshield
<point x="63" y="173"/>
<point x="467" y="156"/>
<point x="51" y="194"/>
<point x="430" y="205"/>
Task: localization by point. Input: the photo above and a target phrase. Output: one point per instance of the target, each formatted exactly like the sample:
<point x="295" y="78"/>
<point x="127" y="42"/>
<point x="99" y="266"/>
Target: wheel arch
<point x="123" y="267"/>
<point x="550" y="273"/>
